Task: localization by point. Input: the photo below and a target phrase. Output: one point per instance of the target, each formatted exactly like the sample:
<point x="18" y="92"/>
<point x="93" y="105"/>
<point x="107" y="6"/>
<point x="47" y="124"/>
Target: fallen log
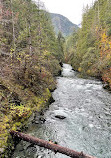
<point x="49" y="145"/>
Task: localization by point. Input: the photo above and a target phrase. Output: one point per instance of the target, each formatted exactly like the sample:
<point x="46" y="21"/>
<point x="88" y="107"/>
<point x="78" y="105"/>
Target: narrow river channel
<point x="86" y="126"/>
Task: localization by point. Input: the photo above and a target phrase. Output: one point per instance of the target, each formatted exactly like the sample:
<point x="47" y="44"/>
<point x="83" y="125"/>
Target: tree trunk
<point x="13" y="28"/>
<point x="51" y="146"/>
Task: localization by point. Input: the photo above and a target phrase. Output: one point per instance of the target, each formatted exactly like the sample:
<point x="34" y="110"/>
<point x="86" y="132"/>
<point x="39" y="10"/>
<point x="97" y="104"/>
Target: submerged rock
<point x="60" y="117"/>
<point x="60" y="114"/>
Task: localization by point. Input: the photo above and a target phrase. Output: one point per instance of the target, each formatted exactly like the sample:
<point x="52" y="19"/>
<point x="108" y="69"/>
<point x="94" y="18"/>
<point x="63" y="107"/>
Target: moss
<point x="17" y="115"/>
<point x="22" y="93"/>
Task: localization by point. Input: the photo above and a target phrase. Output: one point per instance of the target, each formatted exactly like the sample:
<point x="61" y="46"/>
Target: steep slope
<point x="29" y="58"/>
<point x="90" y="47"/>
<point x="62" y="24"/>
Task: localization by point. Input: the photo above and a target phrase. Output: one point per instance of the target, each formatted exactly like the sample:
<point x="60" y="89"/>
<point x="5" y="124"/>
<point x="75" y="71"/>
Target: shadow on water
<point x="85" y="108"/>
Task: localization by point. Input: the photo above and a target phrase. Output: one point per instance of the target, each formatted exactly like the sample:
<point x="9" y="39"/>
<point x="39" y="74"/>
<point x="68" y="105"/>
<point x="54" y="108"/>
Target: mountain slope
<point x="62" y="24"/>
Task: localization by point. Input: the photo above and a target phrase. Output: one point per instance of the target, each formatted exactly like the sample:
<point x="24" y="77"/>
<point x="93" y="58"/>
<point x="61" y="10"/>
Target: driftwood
<point x="50" y="145"/>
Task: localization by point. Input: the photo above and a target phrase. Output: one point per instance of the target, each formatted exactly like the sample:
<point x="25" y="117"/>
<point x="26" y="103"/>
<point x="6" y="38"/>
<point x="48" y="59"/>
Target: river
<point x="86" y="107"/>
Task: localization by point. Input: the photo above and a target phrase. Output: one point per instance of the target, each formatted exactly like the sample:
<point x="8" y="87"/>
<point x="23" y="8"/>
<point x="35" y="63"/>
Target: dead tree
<point x="50" y="145"/>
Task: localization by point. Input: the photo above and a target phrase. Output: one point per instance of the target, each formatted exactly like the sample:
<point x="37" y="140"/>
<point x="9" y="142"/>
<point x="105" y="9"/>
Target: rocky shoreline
<point x="35" y="118"/>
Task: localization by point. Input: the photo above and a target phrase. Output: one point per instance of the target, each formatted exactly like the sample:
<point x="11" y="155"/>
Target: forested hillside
<point x="29" y="58"/>
<point x="62" y="24"/>
<point x="89" y="49"/>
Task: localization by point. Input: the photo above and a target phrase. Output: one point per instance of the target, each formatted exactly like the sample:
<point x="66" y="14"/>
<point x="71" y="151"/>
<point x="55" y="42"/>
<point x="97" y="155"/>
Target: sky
<point x="72" y="9"/>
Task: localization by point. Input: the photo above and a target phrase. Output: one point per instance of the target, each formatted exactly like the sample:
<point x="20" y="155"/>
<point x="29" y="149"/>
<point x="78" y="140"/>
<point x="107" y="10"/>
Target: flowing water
<point x="87" y="126"/>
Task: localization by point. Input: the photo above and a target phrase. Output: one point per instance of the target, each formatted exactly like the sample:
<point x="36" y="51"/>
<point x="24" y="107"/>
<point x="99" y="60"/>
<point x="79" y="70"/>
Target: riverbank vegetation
<point x="89" y="48"/>
<point x="29" y="60"/>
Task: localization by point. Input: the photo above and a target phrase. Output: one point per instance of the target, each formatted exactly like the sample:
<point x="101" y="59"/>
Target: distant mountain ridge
<point x="62" y="24"/>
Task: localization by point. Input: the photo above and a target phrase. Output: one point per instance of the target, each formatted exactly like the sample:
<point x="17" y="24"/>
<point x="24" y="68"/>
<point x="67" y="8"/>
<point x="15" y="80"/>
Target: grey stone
<point x="60" y="117"/>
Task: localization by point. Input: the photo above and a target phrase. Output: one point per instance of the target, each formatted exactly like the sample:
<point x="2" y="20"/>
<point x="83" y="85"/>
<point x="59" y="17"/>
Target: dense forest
<point x="89" y="48"/>
<point x="30" y="54"/>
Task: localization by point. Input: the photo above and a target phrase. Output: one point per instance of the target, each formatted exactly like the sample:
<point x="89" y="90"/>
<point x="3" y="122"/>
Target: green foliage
<point x="61" y="42"/>
<point x="90" y="51"/>
<point x="89" y="59"/>
<point x="29" y="28"/>
<point x="70" y="47"/>
<point x="29" y="60"/>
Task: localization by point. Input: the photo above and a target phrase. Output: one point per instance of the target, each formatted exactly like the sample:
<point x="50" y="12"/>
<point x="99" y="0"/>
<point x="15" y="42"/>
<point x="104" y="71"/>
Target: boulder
<point x="38" y="120"/>
<point x="60" y="117"/>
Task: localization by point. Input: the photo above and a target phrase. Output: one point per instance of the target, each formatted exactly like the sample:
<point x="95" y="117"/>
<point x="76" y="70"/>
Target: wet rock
<point x="60" y="114"/>
<point x="60" y="117"/>
<point x="42" y="120"/>
<point x="55" y="142"/>
<point x="51" y="100"/>
<point x="31" y="146"/>
<point x="35" y="121"/>
<point x="41" y="113"/>
<point x="61" y="64"/>
<point x="40" y="156"/>
<point x="106" y="86"/>
<point x="38" y="119"/>
<point x="22" y="146"/>
<point x="59" y="73"/>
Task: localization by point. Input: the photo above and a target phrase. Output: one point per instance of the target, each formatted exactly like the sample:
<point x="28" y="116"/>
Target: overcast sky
<point x="72" y="9"/>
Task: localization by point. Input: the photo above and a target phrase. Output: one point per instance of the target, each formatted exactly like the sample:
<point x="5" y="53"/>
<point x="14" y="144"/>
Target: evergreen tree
<point x="92" y="54"/>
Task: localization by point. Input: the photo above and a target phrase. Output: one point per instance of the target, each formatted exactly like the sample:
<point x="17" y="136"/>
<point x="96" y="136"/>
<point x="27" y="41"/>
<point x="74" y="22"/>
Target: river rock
<point x="42" y="119"/>
<point x="40" y="156"/>
<point x="60" y="114"/>
<point x="60" y="117"/>
<point x="38" y="120"/>
<point x="105" y="86"/>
